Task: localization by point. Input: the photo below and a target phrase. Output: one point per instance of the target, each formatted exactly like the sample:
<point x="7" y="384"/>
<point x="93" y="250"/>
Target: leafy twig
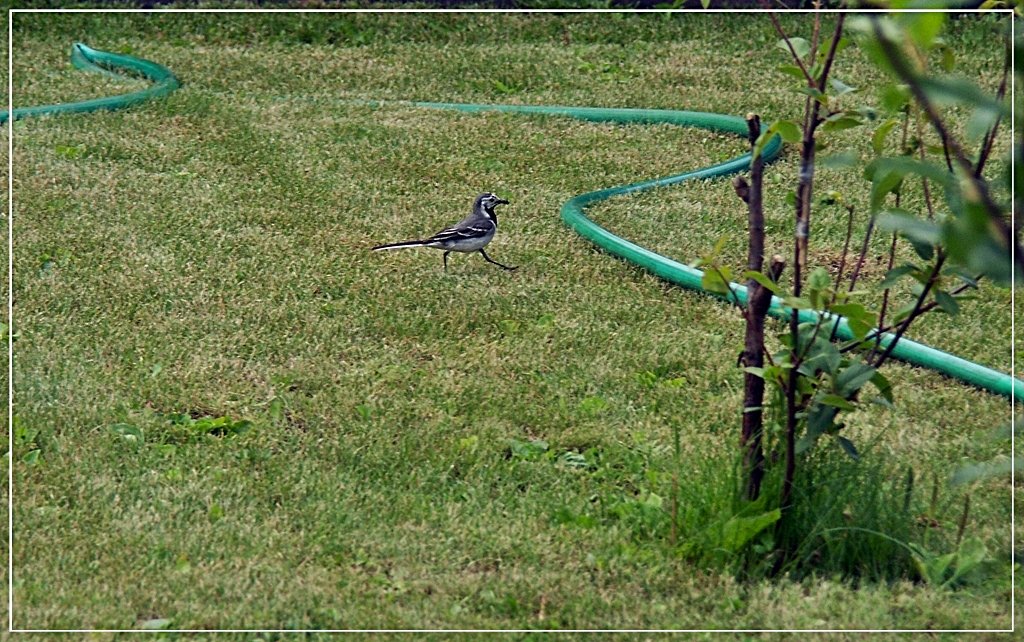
<point x="911" y="79"/>
<point x="732" y="294"/>
<point x="885" y="295"/>
<point x="803" y="215"/>
<point x="990" y="135"/>
<point x="924" y="181"/>
<point x="928" y="307"/>
<point x="842" y="263"/>
<point x="915" y="312"/>
<point x="796" y="57"/>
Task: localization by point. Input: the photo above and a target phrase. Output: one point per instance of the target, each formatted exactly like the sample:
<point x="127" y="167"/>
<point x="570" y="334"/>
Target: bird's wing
<point x="464" y="230"/>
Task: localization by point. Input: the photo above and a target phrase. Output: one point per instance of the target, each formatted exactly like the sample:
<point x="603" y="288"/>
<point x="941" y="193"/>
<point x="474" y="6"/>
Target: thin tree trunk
<point x="758" y="300"/>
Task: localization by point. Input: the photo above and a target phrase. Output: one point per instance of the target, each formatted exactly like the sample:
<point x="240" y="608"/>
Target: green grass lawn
<point x="207" y="256"/>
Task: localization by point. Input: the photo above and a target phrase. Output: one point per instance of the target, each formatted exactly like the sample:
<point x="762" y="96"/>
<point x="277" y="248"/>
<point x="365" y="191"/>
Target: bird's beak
<point x="502" y="201"/>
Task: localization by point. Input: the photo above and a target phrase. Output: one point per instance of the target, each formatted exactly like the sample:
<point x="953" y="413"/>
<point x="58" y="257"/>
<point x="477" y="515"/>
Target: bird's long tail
<point x="399" y="246"/>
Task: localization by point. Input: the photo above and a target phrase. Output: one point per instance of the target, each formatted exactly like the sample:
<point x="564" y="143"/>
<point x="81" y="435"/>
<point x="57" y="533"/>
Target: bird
<point x="471" y="234"/>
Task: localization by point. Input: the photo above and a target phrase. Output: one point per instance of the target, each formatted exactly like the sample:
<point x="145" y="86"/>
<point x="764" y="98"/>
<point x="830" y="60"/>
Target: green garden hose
<point x="573" y="211"/>
<point x="111" y="64"/>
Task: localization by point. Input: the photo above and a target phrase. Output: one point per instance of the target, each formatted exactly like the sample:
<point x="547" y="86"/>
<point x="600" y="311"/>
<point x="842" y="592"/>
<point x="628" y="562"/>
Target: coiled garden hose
<point x="111" y="64"/>
<point x="574" y="210"/>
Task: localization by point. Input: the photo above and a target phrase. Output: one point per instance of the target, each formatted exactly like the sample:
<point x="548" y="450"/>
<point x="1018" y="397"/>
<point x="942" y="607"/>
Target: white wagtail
<point x="470" y="234"/>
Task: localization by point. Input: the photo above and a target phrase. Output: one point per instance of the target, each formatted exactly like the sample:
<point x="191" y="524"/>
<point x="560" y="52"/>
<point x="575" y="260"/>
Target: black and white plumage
<point x="471" y="234"/>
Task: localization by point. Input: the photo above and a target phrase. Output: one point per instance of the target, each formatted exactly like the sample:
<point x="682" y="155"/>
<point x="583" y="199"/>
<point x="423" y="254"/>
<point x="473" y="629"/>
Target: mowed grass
<point x="207" y="256"/>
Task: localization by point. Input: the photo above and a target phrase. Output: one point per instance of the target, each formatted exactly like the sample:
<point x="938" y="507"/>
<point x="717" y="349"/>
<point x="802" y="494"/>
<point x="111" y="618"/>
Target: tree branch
<point x="801" y="234"/>
<point x="911" y="79"/>
<point x="932" y="278"/>
<point x="885" y="295"/>
<point x="842" y="264"/>
<point x="792" y="51"/>
<point x="990" y="136"/>
<point x="928" y="307"/>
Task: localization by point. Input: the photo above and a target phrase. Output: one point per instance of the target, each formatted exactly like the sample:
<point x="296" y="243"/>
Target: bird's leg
<point x="447" y="252"/>
<point x="489" y="260"/>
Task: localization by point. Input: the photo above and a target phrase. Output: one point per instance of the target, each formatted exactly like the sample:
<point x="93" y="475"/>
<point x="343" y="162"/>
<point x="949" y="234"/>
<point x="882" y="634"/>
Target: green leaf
<point x="902" y="165"/>
<point x="848" y="447"/>
<point x="69" y="151"/>
<point x="987" y="470"/>
<point x="503" y="88"/>
<point x="653" y="500"/>
<point x="528" y="450"/>
<point x="895" y="97"/>
<point x="849" y="310"/>
<point x="912" y="227"/>
<point x="904" y="311"/>
<point x="839" y="124"/>
<point x="859" y="328"/>
<point x="716" y="281"/>
<point x="947" y="303"/>
<point x="593" y="405"/>
<point x="971" y="241"/>
<point x="820" y="420"/>
<point x="982" y="119"/>
<point x="819" y="279"/>
<point x="737" y="531"/>
<point x="924" y="250"/>
<point x="963" y="275"/>
<point x="836" y="402"/>
<point x="156" y="624"/>
<point x="883" y="183"/>
<point x="792" y="70"/>
<point x="948" y="91"/>
<point x="814" y="93"/>
<point x="922" y="27"/>
<point x="852" y="378"/>
<point x="948" y="59"/>
<point x="798" y="303"/>
<point x="800" y="46"/>
<point x="897" y="273"/>
<point x="31" y="458"/>
<point x="763" y="279"/>
<point x="883" y="386"/>
<point x="931" y="567"/>
<point x="878" y="138"/>
<point x="969" y="556"/>
<point x="858" y="318"/>
<point x="819" y="355"/>
<point x="840" y="160"/>
<point x="762" y="140"/>
<point x="789" y="130"/>
<point x="128" y="432"/>
<point x="574" y="459"/>
<point x="840" y="87"/>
